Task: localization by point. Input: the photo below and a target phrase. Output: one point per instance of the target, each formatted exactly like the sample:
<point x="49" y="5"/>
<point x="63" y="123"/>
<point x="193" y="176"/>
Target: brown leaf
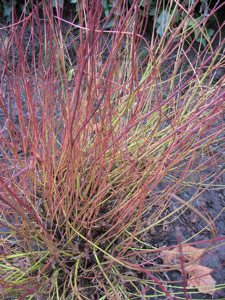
<point x="189" y="254"/>
<point x="194" y="217"/>
<point x="200" y="279"/>
<point x="198" y="274"/>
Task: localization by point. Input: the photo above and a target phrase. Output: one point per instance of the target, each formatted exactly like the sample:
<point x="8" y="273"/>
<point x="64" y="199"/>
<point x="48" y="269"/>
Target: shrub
<point x="92" y="159"/>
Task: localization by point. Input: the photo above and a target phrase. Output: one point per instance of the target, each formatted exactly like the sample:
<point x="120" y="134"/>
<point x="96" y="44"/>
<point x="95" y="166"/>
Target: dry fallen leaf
<point x="189" y="254"/>
<point x="198" y="275"/>
<point x="200" y="278"/>
<point x="194" y="218"/>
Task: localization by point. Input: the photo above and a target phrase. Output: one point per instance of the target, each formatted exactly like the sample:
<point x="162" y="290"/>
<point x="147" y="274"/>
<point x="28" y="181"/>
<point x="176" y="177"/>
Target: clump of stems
<point x="97" y="142"/>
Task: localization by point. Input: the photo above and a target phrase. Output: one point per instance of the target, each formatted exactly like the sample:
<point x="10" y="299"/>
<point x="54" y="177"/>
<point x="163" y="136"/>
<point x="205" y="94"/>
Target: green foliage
<point x="60" y="3"/>
<point x="207" y="32"/>
<point x="7" y="9"/>
<point x="171" y="18"/>
<point x="162" y="22"/>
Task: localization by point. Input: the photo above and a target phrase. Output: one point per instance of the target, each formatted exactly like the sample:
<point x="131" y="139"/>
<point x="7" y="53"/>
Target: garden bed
<point x="147" y="171"/>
